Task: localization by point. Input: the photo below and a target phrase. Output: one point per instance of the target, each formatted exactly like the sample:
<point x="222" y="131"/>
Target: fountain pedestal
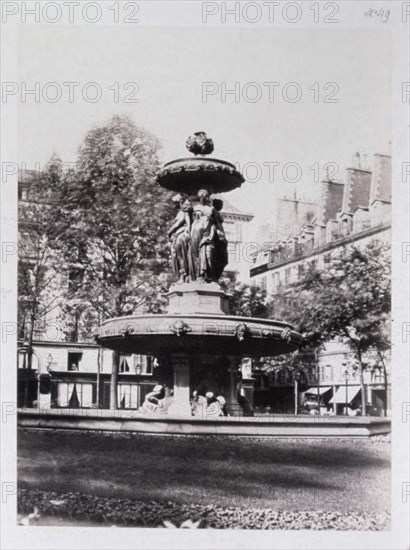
<point x="233" y="407"/>
<point x="181" y="406"/>
<point x="197" y="297"/>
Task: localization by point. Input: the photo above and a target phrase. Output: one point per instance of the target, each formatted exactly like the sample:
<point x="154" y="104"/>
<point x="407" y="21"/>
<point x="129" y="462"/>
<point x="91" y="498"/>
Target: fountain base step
<point x="270" y="426"/>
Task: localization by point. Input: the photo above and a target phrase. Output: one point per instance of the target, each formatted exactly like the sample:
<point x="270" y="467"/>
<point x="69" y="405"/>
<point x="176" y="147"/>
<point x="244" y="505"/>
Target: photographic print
<point x="205" y="255"/>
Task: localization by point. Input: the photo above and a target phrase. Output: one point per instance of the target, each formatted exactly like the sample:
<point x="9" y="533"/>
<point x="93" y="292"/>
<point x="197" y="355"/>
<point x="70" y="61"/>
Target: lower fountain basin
<point x="206" y="334"/>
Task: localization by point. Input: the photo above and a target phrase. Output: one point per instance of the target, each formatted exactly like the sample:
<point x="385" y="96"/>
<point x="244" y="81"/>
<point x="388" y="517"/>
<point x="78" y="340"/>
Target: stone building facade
<point x="235" y="224"/>
<point x="355" y="212"/>
<point x="77" y="375"/>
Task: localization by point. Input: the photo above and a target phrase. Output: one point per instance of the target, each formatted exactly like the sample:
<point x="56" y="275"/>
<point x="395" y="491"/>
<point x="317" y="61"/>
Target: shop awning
<point x="322" y="390"/>
<point x="340" y="395"/>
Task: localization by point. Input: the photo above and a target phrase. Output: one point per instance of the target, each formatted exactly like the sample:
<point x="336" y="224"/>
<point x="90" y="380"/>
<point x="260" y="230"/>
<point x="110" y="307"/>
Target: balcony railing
<point x="302" y="249"/>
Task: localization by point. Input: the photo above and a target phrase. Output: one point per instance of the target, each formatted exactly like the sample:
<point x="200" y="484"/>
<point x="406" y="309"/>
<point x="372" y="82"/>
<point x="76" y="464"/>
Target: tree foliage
<point x="116" y="214"/>
<point x="348" y="301"/>
<point x="249" y="301"/>
<point x="40" y="264"/>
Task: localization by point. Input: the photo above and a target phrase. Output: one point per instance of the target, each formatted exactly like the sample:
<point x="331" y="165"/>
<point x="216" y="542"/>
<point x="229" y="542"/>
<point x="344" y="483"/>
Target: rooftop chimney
<point x="331" y="200"/>
<point x="357" y="189"/>
<point x="381" y="179"/>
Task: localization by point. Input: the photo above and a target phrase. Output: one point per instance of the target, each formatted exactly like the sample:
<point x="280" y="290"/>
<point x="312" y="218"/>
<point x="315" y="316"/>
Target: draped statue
<point x="209" y="245"/>
<point x="198" y="242"/>
<point x="180" y="236"/>
<point x="221" y="251"/>
<point x="203" y="236"/>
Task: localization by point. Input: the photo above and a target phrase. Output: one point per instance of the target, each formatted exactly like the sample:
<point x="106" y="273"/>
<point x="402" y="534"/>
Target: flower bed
<point x="136" y="513"/>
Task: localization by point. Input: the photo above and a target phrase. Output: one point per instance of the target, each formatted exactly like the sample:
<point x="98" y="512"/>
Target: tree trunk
<point x="386" y="385"/>
<point x="296" y="389"/>
<point x="29" y="364"/>
<point x="362" y="386"/>
<point x="76" y="326"/>
<point x="114" y="380"/>
<point x="97" y="393"/>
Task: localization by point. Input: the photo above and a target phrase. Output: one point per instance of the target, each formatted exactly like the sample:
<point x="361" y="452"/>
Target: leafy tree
<point x="252" y="301"/>
<point x="349" y="301"/>
<point x="39" y="264"/>
<point x="115" y="214"/>
<point x="249" y="301"/>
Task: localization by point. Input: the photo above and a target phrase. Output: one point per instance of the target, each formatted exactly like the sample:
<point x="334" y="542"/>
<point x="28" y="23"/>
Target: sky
<point x="167" y="69"/>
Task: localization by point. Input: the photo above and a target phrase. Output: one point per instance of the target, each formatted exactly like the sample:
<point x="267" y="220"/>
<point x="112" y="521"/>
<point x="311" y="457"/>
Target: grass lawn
<point x="310" y="474"/>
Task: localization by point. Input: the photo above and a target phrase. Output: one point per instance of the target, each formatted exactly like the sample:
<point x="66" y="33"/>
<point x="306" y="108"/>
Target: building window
<point x="345" y="230"/>
<point x="132" y="396"/>
<point x="22" y="193"/>
<point x="322" y="372"/>
<point x="149" y="365"/>
<point x="74" y="395"/>
<point x="238" y="232"/>
<point x="75" y="278"/>
<point x="145" y="362"/>
<point x="275" y="280"/>
<point x="229" y="228"/>
<point x="39" y="328"/>
<point x="27" y="246"/>
<point x="74" y="359"/>
<point x="22" y="360"/>
<point x="124" y="364"/>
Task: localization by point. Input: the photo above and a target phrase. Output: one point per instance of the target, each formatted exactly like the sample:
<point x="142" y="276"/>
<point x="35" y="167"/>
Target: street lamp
<point x="297" y="378"/>
<point x="346" y="374"/>
<point x="43" y="377"/>
<point x="317" y="380"/>
<point x="24" y="348"/>
<point x="138" y="370"/>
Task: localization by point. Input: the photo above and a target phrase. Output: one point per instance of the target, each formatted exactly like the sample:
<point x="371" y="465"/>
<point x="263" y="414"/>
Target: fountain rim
<point x="219" y="316"/>
<point x="244" y="336"/>
<point x="190" y="174"/>
<point x="200" y="159"/>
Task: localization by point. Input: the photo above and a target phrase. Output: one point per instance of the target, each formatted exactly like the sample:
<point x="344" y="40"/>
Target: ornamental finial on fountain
<point x="200" y="144"/>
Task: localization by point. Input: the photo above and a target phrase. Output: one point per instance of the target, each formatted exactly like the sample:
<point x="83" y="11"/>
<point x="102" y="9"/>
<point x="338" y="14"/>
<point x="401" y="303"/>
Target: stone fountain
<point x="198" y="344"/>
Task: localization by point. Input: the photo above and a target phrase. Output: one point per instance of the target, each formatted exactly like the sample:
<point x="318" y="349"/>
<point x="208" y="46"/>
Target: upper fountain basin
<point x="189" y="175"/>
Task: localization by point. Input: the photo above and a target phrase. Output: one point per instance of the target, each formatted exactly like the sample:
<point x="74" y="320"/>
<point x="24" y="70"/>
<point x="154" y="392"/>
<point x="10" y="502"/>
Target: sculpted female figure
<point x="179" y="234"/>
<point x="221" y="250"/>
<point x="204" y="237"/>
